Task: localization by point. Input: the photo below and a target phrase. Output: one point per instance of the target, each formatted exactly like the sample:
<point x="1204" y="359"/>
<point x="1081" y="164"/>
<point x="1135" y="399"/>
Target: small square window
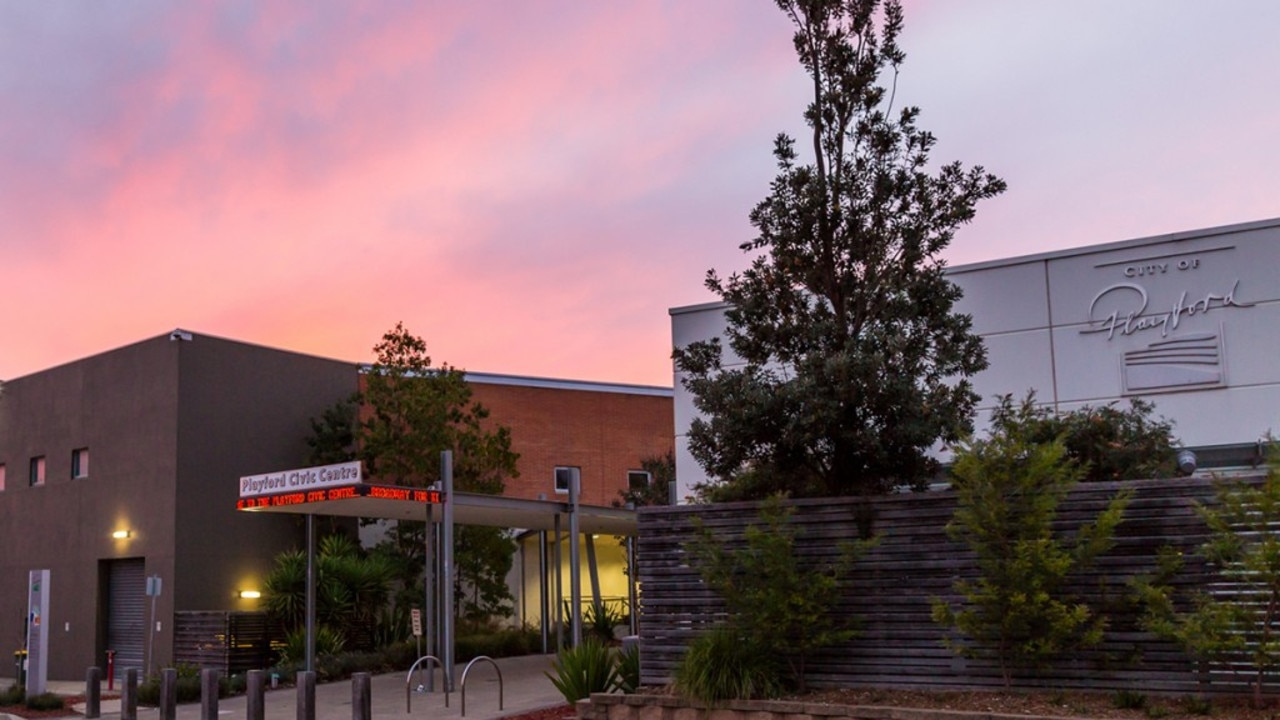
<point x="564" y="476"/>
<point x="639" y="480"/>
<point x="37" y="471"/>
<point x="80" y="463"/>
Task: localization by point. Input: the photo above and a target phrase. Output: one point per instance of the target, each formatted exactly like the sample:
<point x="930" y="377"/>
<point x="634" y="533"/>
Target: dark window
<point x="37" y="471"/>
<point x="564" y="476"/>
<point x="80" y="463"/>
<point x="638" y="480"/>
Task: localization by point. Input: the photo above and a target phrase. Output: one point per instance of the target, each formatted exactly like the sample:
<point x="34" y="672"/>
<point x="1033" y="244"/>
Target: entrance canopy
<point x="339" y="490"/>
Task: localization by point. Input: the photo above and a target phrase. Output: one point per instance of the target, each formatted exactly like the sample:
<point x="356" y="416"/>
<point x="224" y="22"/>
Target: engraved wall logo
<point x="1182" y="352"/>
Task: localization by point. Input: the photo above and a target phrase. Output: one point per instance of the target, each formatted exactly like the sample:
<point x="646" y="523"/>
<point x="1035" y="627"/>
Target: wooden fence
<point x="893" y="585"/>
<point x="232" y="642"/>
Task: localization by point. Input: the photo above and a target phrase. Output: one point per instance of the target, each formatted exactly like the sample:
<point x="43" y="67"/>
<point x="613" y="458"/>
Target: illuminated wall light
<point x="250" y="594"/>
<point x="121" y="534"/>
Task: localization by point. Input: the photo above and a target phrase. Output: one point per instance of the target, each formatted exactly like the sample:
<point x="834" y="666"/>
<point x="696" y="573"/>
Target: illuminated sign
<point x="304" y="479"/>
<point x="302" y="497"/>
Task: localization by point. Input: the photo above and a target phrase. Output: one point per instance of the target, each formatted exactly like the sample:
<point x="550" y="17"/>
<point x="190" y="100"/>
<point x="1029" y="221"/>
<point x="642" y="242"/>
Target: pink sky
<point x="531" y="185"/>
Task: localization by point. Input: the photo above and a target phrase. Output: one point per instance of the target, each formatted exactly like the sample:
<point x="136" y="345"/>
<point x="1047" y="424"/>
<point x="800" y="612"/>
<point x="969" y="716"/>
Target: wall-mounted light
<point x="250" y="594"/>
<point x="121" y="534"/>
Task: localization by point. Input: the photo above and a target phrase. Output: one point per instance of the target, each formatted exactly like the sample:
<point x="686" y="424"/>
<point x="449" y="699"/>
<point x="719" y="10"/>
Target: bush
<point x="628" y="669"/>
<point x="724" y="664"/>
<point x="15" y="695"/>
<point x="588" y="668"/>
<point x="45" y="701"/>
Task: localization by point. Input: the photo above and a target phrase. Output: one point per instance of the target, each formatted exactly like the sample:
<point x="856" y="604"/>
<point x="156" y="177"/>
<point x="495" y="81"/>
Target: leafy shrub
<point x="588" y="668"/>
<point x="328" y="642"/>
<point x="628" y="664"/>
<point x="1129" y="700"/>
<point x="45" y="701"/>
<point x="1195" y="705"/>
<point x="599" y="620"/>
<point x="15" y="695"/>
<point x="724" y="664"/>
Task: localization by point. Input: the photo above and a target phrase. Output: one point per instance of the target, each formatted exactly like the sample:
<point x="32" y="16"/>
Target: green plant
<point x="15" y="695"/>
<point x="1155" y="711"/>
<point x="600" y="619"/>
<point x="725" y="664"/>
<point x="1016" y="609"/>
<point x="1126" y="699"/>
<point x="1237" y="624"/>
<point x="1196" y="705"/>
<point x="328" y="642"/>
<point x="784" y="607"/>
<point x="588" y="668"/>
<point x="628" y="663"/>
<point x="45" y="701"/>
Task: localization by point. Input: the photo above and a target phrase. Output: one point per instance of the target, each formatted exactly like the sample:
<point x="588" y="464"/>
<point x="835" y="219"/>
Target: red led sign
<point x="382" y="492"/>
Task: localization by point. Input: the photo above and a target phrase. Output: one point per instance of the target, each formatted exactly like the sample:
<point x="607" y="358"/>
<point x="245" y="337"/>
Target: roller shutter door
<point x="126" y="614"/>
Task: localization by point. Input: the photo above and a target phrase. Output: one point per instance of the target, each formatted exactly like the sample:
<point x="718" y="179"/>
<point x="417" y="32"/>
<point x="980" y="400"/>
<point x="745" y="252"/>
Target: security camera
<point x="1186" y="461"/>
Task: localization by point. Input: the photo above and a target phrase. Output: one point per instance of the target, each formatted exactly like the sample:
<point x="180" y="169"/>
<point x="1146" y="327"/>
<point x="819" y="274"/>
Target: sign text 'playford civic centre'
<point x="305" y="479"/>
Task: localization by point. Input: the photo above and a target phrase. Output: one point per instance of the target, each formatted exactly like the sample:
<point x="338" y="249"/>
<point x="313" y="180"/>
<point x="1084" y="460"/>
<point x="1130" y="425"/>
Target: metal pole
<point x="633" y="612"/>
<point x="430" y="591"/>
<point x="446" y="474"/>
<point x="311" y="593"/>
<point x="593" y="572"/>
<point x="542" y="591"/>
<point x="559" y="583"/>
<point x="575" y="566"/>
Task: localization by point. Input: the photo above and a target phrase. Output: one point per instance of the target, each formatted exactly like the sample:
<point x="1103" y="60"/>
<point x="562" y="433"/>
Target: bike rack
<point x="467" y="669"/>
<point x="444" y="682"/>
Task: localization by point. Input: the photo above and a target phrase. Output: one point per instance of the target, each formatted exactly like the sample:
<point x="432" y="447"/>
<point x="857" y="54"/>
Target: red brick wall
<point x="603" y="433"/>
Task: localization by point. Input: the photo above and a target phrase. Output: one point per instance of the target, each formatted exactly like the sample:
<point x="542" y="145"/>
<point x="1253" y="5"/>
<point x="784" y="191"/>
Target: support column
<point x="311" y="594"/>
<point x="446" y="475"/>
<point x="543" y="590"/>
<point x="575" y="562"/>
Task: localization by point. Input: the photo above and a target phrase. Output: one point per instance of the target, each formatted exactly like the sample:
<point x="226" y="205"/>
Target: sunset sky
<point x="531" y="185"/>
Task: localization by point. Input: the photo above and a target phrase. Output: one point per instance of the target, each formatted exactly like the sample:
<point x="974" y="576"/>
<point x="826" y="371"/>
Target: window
<point x="80" y="463"/>
<point x="1" y="477"/>
<point x="638" y="480"/>
<point x="564" y="476"/>
<point x="37" y="471"/>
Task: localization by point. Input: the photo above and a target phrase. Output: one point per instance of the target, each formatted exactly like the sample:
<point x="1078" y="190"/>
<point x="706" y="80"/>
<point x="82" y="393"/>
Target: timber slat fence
<point x="232" y="642"/>
<point x="892" y="586"/>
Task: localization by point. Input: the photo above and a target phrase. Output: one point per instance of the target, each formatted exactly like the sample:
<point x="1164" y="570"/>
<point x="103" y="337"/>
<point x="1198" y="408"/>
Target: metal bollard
<point x="255" y="691"/>
<point x="361" y="697"/>
<point x="93" y="693"/>
<point x="208" y="694"/>
<point x="306" y="680"/>
<point x="168" y="694"/>
<point x="129" y="695"/>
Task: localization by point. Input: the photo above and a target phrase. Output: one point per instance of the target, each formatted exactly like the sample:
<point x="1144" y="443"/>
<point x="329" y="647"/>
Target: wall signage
<point x="1192" y="358"/>
<point x="312" y="478"/>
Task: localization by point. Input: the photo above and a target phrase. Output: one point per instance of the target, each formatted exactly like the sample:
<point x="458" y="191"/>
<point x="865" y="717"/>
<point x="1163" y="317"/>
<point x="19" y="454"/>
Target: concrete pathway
<point x="525" y="687"/>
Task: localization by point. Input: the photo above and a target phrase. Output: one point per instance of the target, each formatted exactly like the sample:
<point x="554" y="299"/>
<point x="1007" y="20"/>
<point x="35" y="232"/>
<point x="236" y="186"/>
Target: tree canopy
<point x="854" y="361"/>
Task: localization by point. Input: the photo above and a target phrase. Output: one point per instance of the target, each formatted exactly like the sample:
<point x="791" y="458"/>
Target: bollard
<point x="169" y="694"/>
<point x="361" y="697"/>
<point x="306" y="680"/>
<point x="111" y="669"/>
<point x="129" y="695"/>
<point x="255" y="691"/>
<point x="208" y="694"/>
<point x="93" y="693"/>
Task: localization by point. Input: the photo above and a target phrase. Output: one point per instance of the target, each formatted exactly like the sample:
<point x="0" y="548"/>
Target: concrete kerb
<point x="525" y="688"/>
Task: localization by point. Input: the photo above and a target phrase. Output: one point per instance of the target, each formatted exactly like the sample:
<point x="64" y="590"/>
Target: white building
<point x="1189" y="321"/>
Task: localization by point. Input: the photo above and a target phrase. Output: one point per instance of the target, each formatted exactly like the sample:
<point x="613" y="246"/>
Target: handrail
<point x="467" y="669"/>
<point x="408" y="682"/>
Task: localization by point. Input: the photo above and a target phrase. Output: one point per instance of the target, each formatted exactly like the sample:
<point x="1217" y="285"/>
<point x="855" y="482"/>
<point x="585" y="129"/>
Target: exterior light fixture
<point x="121" y="534"/>
<point x="250" y="594"/>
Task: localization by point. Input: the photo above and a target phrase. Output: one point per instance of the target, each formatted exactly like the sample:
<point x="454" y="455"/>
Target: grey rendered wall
<point x="244" y="409"/>
<point x="121" y="405"/>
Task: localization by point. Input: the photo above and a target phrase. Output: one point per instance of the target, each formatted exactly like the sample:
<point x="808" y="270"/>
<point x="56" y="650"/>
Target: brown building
<point x="123" y="466"/>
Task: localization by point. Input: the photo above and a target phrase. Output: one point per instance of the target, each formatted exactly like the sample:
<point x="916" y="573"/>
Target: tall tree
<point x="412" y="412"/>
<point x="854" y="360"/>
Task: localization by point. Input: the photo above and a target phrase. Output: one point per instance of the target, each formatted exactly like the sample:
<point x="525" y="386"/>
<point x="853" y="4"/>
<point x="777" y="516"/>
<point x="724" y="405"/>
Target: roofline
<point x="1055" y="254"/>
<point x="480" y="378"/>
<point x="1117" y="245"/>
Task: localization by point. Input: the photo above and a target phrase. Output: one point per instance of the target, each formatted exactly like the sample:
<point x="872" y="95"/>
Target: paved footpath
<point x="525" y="687"/>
